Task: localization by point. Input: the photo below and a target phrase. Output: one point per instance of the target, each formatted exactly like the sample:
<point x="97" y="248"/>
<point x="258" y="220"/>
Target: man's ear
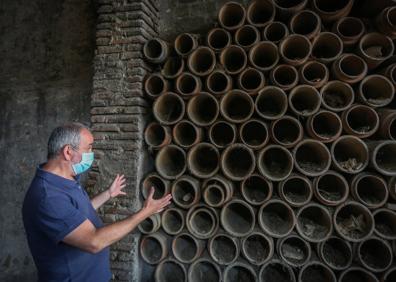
<point x="67" y="152"/>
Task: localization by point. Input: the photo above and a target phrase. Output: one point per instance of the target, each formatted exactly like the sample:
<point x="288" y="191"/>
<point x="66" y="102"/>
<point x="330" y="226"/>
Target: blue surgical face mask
<point x="86" y="162"/>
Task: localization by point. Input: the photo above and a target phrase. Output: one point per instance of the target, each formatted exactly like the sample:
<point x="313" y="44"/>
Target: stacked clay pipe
<point x="275" y="133"/>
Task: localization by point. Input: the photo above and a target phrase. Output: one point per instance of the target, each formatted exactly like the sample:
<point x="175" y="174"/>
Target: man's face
<point x="86" y="141"/>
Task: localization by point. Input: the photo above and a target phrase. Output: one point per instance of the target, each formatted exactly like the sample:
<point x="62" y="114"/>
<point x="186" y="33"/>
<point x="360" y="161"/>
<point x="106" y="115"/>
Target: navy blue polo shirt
<point x="53" y="207"/>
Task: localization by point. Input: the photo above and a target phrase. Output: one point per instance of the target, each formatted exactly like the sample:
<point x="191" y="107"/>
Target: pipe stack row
<point x="275" y="133"/>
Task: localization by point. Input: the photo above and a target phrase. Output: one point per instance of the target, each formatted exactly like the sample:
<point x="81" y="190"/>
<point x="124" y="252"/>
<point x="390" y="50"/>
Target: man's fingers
<point x="151" y="194"/>
<point x="122" y="193"/>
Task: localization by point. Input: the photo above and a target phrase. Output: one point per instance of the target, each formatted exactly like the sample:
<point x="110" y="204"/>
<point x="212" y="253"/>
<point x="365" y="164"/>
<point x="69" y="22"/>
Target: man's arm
<point x="93" y="240"/>
<point x="113" y="191"/>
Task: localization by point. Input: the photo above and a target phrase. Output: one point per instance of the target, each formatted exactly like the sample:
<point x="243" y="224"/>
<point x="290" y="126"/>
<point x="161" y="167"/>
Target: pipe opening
<point x="316" y="271"/>
<point x="155" y="85"/>
<point x="232" y="15"/>
<point x="218" y="82"/>
<point x="237" y="218"/>
<point x="305" y="23"/>
<point x="170" y="271"/>
<point x="170" y="162"/>
<point x="295" y="251"/>
<point x="385" y="223"/>
<point x="362" y="119"/>
<point x="285" y="76"/>
<point x="185" y="44"/>
<point x="331" y="188"/>
<point x="238" y="162"/>
<point x="287" y="131"/>
<point x="271" y="103"/>
<point x="185" y="248"/>
<point x="314" y="72"/>
<point x="377" y="90"/>
<point x="375" y="254"/>
<point x="173" y="67"/>
<point x="168" y="108"/>
<point x="222" y="134"/>
<point x="239" y="272"/>
<point x="356" y="274"/>
<point x="204" y="270"/>
<point x="237" y="106"/>
<point x="172" y="221"/>
<point x="376" y="45"/>
<point x="203" y="109"/>
<point x="384" y="157"/>
<point x="187" y="84"/>
<point x="295" y="48"/>
<point x="151" y="249"/>
<point x="185" y="192"/>
<point x="223" y="249"/>
<point x="371" y="190"/>
<point x="203" y="160"/>
<point x="153" y="49"/>
<point x="256" y="189"/>
<point x="155" y="135"/>
<point x="257" y="248"/>
<point x="304" y="100"/>
<point x="202" y="222"/>
<point x="219" y="39"/>
<point x="214" y="195"/>
<point x="277" y="271"/>
<point x="202" y="61"/>
<point x="352" y="65"/>
<point x="296" y="190"/>
<point x="250" y="80"/>
<point x="254" y="133"/>
<point x="350" y="154"/>
<point x="260" y="13"/>
<point x="326" y="125"/>
<point x="185" y="134"/>
<point x="275" y="32"/>
<point x="234" y="59"/>
<point x="350" y="27"/>
<point x="276" y="218"/>
<point x="275" y="162"/>
<point x="390" y="275"/>
<point x="314" y="223"/>
<point x="336" y="253"/>
<point x="312" y="157"/>
<point x="337" y="95"/>
<point x="246" y="36"/>
<point x="264" y="55"/>
<point x="160" y="186"/>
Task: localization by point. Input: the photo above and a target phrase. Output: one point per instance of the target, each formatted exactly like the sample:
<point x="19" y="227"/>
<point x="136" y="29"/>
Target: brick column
<point x="118" y="115"/>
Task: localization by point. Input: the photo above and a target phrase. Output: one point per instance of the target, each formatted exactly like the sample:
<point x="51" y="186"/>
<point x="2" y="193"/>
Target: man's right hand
<point x="152" y="206"/>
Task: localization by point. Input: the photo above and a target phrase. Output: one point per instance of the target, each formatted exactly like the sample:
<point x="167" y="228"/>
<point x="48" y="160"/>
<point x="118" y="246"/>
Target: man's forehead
<point x="86" y="136"/>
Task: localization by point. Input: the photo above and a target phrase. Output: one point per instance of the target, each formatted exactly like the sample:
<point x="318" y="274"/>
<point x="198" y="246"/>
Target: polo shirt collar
<point x="54" y="178"/>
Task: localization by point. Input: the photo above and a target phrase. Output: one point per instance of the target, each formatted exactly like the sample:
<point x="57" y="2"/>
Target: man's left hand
<point x="117" y="185"/>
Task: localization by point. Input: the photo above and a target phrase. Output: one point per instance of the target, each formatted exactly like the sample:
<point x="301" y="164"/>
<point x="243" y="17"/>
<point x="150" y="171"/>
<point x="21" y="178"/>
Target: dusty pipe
<point x="202" y="221"/>
<point x="155" y="85"/>
<point x="275" y="32"/>
<point x="306" y="23"/>
<point x="234" y="59"/>
<point x="150" y="225"/>
<point x="160" y="185"/>
<point x="276" y="268"/>
<point x="260" y="13"/>
<point x="318" y="270"/>
<point x="186" y="248"/>
<point x="254" y="134"/>
<point x="237" y="218"/>
<point x="349" y="68"/>
<point x="314" y="223"/>
<point x="153" y="248"/>
<point x="237" y="162"/>
<point x="218" y="83"/>
<point x="284" y="77"/>
<point x="222" y="134"/>
<point x="223" y="248"/>
<point x="386" y="22"/>
<point x="156" y="50"/>
<point x="295" y="190"/>
<point x="218" y="39"/>
<point x="350" y="30"/>
<point x="349" y="154"/>
<point x="173" y="221"/>
<point x="173" y="67"/>
<point x="390" y="73"/>
<point x="251" y="81"/>
<point x="203" y="109"/>
<point x="157" y="136"/>
<point x="376" y="91"/>
<point x="286" y="131"/>
<point x="246" y="36"/>
<point x="264" y="56"/>
<point x="202" y="61"/>
<point x="343" y="253"/>
<point x="385" y="223"/>
<point x="275" y="162"/>
<point x="355" y="273"/>
<point x="325" y="126"/>
<point x="313" y="73"/>
<point x="186" y="134"/>
<point x="286" y="8"/>
<point x="312" y="157"/>
<point x="337" y="96"/>
<point x="361" y="121"/>
<point x="353" y="221"/>
<point x="203" y="160"/>
<point x="239" y="269"/>
<point x="382" y="156"/>
<point x="257" y="248"/>
<point x="389" y="275"/>
<point x="217" y="183"/>
<point x="327" y="47"/>
<point x="295" y="49"/>
<point x="369" y="189"/>
<point x="170" y="270"/>
<point x="375" y="48"/>
<point x="276" y="218"/>
<point x="188" y="85"/>
<point x="186" y="191"/>
<point x="204" y="269"/>
<point x="237" y="106"/>
<point x="170" y="162"/>
<point x="231" y="16"/>
<point x="374" y="254"/>
<point x="271" y="103"/>
<point x="168" y="108"/>
<point x="331" y="188"/>
<point x="330" y="11"/>
<point x="295" y="251"/>
<point x="185" y="43"/>
<point x="304" y="100"/>
<point x="256" y="190"/>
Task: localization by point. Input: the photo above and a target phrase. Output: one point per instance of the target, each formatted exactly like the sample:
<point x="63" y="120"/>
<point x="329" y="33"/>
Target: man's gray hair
<point x="67" y="134"/>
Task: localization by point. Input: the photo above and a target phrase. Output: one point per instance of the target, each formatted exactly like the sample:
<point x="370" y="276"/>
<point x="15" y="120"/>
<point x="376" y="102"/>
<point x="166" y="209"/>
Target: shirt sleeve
<point x="57" y="217"/>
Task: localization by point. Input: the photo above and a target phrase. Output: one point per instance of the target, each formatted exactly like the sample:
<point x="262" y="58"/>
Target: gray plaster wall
<point x="46" y="52"/>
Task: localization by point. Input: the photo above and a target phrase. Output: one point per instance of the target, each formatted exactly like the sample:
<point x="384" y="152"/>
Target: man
<point x="66" y="237"/>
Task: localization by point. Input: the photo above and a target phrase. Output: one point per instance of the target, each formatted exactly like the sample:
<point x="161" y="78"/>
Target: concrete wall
<point x="46" y="53"/>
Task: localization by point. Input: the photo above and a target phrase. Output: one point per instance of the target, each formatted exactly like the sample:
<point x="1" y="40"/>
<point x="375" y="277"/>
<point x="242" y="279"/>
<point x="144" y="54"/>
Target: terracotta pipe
<point x="284" y="77"/>
<point x="237" y="162"/>
<point x="185" y="43"/>
<point x="286" y="131"/>
<point x="153" y="248"/>
<point x="150" y="225"/>
<point x="232" y="15"/>
<point x="218" y="39"/>
<point x="353" y="221"/>
<point x="173" y="220"/>
<point x="186" y="191"/>
<point x="251" y="81"/>
<point x="157" y="136"/>
<point x="295" y="190"/>
<point x="276" y="218"/>
<point x="260" y="13"/>
<point x="374" y="254"/>
<point x="257" y="248"/>
<point x="327" y="47"/>
<point x="337" y="96"/>
<point x="325" y="126"/>
<point x="170" y="162"/>
<point x="254" y="134"/>
<point x="156" y="50"/>
<point x="376" y="91"/>
<point x="271" y="103"/>
<point x="222" y="134"/>
<point x="202" y="221"/>
<point x="390" y="73"/>
<point x="173" y="67"/>
<point x="370" y="8"/>
<point x="155" y="85"/>
<point x="256" y="190"/>
<point x="375" y="48"/>
<point x="275" y="32"/>
<point x="246" y="36"/>
<point x="387" y="127"/>
<point x="264" y="56"/>
<point x="170" y="270"/>
<point x="331" y="188"/>
<point x="203" y="265"/>
<point x="203" y="160"/>
<point x="276" y="268"/>
<point x="306" y="23"/>
<point x="304" y="100"/>
<point x="313" y="73"/>
<point x="331" y="11"/>
<point x="350" y="275"/>
<point x="350" y="30"/>
<point x="160" y="185"/>
<point x="275" y="162"/>
<point x="385" y="223"/>
<point x="294" y="250"/>
<point x="335" y="245"/>
<point x="168" y="108"/>
<point x="349" y="68"/>
<point x="202" y="61"/>
<point x="318" y="270"/>
<point x="219" y="83"/>
<point x="237" y="218"/>
<point x="186" y="134"/>
<point x="295" y="49"/>
<point x="286" y="8"/>
<point x="382" y="156"/>
<point x="369" y="189"/>
<point x="386" y="22"/>
<point x="389" y="275"/>
<point x="314" y="223"/>
<point x="234" y="59"/>
<point x="215" y="186"/>
<point x="203" y="109"/>
<point x="186" y="248"/>
<point x="237" y="106"/>
<point x="360" y="120"/>
<point x="223" y="248"/>
<point x="187" y="85"/>
<point x="239" y="269"/>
